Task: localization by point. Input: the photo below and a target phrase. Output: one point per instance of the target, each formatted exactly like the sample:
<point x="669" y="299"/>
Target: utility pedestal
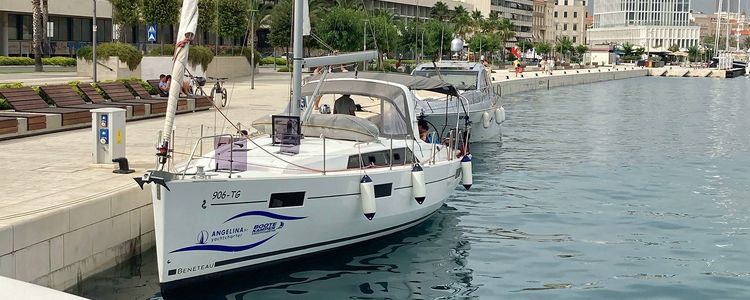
<point x="108" y="134"/>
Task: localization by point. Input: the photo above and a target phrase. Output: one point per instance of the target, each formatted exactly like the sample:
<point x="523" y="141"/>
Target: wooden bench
<point x="26" y="99"/>
<point x="140" y="91"/>
<point x="117" y="92"/>
<point x="64" y="96"/>
<point x="33" y="121"/>
<point x="8" y="125"/>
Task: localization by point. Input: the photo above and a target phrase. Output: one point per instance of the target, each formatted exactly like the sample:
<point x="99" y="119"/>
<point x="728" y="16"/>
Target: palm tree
<point x="462" y="21"/>
<point x="45" y="21"/>
<point x="627" y="49"/>
<point x="440" y="11"/>
<point x="506" y="30"/>
<point x="693" y="53"/>
<point x="38" y="35"/>
<point x="476" y="15"/>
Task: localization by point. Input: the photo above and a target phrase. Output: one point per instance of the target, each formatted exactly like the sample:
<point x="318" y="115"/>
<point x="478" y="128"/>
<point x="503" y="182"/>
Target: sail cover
<point x="188" y="23"/>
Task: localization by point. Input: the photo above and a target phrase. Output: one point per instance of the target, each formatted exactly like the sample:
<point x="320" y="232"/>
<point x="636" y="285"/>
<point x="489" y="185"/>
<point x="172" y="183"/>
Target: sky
<point x="706" y="6"/>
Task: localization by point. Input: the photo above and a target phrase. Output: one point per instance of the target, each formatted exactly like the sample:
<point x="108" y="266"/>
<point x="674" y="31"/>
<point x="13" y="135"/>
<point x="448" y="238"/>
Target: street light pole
<point x="252" y="49"/>
<point x="93" y="44"/>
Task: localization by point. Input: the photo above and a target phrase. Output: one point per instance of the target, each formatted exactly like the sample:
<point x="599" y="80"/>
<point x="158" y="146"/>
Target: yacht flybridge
<point x="478" y="100"/>
<point x="310" y="181"/>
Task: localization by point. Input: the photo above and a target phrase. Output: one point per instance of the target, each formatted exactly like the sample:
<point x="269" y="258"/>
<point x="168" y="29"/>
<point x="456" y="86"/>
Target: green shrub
<point x="12" y="85"/>
<point x="280" y="61"/>
<point x="74" y="85"/>
<point x="4" y="104"/>
<point x="126" y="52"/>
<point x="270" y="60"/>
<point x="200" y="55"/>
<point x="16" y="61"/>
<point x="162" y="50"/>
<point x="283" y="69"/>
<point x="59" y="61"/>
<point x="237" y="51"/>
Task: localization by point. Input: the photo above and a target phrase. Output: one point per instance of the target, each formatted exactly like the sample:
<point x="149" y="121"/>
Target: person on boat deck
<point x="344" y="105"/>
<point x="423" y="131"/>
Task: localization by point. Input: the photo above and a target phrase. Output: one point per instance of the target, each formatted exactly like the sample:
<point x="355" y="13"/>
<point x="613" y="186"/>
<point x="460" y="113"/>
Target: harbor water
<point x="629" y="189"/>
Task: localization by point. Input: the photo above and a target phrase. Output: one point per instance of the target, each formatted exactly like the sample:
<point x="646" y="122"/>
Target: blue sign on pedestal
<point x="151" y="32"/>
<point x="104" y="136"/>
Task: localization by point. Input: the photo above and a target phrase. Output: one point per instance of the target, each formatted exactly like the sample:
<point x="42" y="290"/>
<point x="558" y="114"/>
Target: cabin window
<point x="401" y="156"/>
<point x="383" y="190"/>
<point x="286" y="199"/>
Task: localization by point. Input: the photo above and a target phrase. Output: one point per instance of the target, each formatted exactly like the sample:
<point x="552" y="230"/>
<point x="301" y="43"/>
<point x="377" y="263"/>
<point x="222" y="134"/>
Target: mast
<point x="188" y="23"/>
<point x="297" y="54"/>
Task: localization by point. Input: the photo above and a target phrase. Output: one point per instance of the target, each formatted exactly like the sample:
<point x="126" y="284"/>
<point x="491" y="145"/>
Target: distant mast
<point x="297" y="56"/>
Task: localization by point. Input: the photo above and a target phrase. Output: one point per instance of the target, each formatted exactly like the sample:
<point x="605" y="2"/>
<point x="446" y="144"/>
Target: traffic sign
<point x="151" y="33"/>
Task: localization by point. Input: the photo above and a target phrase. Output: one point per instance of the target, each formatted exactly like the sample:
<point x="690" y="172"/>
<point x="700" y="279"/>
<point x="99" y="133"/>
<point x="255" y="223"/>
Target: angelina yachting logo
<point x="202" y="237"/>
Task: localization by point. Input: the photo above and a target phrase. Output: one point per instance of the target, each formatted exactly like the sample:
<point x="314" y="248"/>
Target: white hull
<point x="479" y="133"/>
<point x="207" y="235"/>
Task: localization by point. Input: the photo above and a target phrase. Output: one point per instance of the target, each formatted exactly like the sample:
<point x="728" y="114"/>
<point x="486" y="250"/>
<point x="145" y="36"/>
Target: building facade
<point x="569" y="19"/>
<point x="422" y="8"/>
<point x="542" y="27"/>
<point x="520" y="12"/>
<point x="648" y="23"/>
<point x="71" y="25"/>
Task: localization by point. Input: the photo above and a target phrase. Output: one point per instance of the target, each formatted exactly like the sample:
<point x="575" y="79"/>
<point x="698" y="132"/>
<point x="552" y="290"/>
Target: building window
<point x="555" y="14"/>
<point x="565" y="27"/>
<point x="566" y="2"/>
<point x="575" y="14"/>
<point x="574" y="39"/>
<point x="575" y="27"/>
<point x="565" y="14"/>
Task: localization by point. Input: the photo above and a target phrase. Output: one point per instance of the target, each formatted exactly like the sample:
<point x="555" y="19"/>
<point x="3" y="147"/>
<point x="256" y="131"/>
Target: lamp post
<point x="93" y="44"/>
<point x="252" y="49"/>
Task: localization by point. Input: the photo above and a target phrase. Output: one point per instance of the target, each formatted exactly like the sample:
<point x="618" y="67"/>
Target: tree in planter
<point x="161" y="12"/>
<point x="383" y="34"/>
<point x="280" y="21"/>
<point x="341" y="28"/>
<point x="125" y="13"/>
<point x="674" y="48"/>
<point x="564" y="46"/>
<point x="233" y="16"/>
<point x="581" y="51"/>
<point x="38" y="36"/>
<point x="506" y="30"/>
<point x="206" y="18"/>
<point x="543" y="47"/>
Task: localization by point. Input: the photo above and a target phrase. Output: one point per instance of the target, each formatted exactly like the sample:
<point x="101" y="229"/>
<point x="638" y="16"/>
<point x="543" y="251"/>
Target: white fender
<point x="418" y="185"/>
<point x="500" y="115"/>
<point x="486" y="119"/>
<point x="466" y="176"/>
<point x="367" y="196"/>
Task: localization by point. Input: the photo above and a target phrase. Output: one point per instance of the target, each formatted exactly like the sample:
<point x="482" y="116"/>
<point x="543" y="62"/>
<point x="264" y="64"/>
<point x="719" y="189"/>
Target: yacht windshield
<point x="462" y="80"/>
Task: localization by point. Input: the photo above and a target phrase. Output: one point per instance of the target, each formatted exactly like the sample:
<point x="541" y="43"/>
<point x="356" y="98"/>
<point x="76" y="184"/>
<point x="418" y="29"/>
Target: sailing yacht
<point x="478" y="101"/>
<point x="310" y="181"/>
